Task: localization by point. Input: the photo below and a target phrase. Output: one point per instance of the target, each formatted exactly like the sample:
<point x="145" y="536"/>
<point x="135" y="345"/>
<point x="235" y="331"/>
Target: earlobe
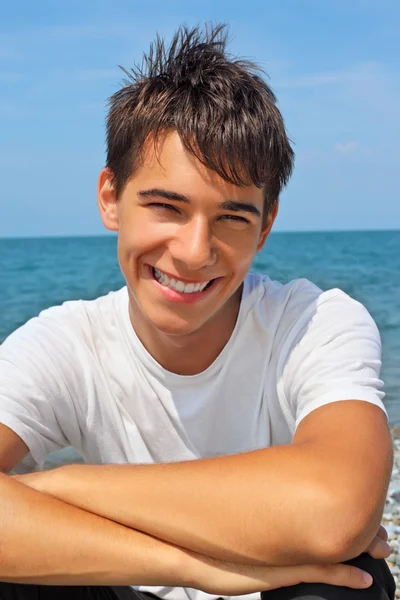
<point x="107" y="200"/>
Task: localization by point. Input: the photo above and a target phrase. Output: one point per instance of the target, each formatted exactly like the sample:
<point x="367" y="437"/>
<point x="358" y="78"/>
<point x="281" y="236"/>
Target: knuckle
<point x="321" y="573"/>
<point x="354" y="575"/>
<point x="338" y="574"/>
<point x="327" y="569"/>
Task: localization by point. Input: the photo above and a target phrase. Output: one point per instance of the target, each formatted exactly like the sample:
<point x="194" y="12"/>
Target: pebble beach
<point x="391" y="516"/>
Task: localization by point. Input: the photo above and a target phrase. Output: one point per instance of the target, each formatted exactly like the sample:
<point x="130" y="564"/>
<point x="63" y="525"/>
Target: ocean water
<point x="38" y="273"/>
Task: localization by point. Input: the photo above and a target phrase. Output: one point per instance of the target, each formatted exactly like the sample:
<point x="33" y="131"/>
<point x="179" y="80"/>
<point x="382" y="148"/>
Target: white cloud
<point x="361" y="75"/>
<point x="347" y="147"/>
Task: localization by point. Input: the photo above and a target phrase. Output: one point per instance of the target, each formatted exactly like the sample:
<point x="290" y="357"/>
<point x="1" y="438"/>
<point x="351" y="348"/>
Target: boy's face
<point x="178" y="220"/>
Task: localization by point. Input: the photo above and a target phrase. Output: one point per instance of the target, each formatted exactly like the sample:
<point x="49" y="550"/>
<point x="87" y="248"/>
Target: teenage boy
<point x="233" y="427"/>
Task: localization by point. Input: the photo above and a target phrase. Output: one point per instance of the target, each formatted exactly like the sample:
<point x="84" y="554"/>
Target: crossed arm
<point x="319" y="499"/>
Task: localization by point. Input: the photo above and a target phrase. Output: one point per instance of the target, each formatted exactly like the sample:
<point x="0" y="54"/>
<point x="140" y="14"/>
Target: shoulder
<point x="68" y="326"/>
<point x="331" y="318"/>
<point x="300" y="305"/>
<point x="331" y="352"/>
<point x="280" y="304"/>
<point x="264" y="289"/>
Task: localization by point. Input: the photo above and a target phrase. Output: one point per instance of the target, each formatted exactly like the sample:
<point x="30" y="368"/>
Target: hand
<point x="229" y="579"/>
<point x="378" y="548"/>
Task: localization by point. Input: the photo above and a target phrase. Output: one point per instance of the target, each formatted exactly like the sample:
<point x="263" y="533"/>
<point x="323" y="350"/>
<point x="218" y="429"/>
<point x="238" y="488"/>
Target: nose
<point x="193" y="244"/>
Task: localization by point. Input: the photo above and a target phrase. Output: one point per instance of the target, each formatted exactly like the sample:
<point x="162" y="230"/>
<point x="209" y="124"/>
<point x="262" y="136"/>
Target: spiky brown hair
<point x="221" y="108"/>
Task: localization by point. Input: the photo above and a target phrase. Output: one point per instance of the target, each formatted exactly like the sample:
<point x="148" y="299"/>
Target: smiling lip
<point x="178" y="278"/>
<point x="181" y="297"/>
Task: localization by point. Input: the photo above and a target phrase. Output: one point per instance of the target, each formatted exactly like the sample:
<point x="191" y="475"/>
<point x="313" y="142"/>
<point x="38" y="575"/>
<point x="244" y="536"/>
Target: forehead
<point x="169" y="164"/>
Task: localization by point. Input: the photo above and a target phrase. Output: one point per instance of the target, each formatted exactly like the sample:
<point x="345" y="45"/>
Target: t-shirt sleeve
<point x="35" y="402"/>
<point x="332" y="354"/>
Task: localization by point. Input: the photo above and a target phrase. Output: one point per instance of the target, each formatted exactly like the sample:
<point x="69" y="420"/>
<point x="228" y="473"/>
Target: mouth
<point x="174" y="287"/>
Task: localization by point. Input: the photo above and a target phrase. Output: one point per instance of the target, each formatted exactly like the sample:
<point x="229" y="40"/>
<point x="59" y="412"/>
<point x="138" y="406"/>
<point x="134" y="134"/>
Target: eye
<point x="235" y="219"/>
<point x="162" y="206"/>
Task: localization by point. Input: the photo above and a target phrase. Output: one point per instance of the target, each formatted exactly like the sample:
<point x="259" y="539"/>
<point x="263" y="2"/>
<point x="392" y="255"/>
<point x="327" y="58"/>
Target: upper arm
<point x="35" y="400"/>
<point x="352" y="444"/>
<point x="12" y="449"/>
<point x="331" y="393"/>
<point x="335" y="355"/>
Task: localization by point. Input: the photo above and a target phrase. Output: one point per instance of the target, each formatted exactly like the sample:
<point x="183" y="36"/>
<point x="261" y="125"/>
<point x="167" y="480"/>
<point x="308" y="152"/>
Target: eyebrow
<point x="232" y="205"/>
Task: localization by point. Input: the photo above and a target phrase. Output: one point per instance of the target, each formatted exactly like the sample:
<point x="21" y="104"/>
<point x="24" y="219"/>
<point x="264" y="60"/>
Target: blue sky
<point x="334" y="65"/>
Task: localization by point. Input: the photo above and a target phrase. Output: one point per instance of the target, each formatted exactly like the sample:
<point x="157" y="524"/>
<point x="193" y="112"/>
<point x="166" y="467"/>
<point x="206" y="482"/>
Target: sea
<point x="42" y="272"/>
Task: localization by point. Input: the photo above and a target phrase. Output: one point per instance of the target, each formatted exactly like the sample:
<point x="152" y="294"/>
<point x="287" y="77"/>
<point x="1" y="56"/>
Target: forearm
<point x="46" y="541"/>
<point x="241" y="508"/>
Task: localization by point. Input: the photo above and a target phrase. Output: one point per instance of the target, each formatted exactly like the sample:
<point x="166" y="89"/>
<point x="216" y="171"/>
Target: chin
<point x="174" y="326"/>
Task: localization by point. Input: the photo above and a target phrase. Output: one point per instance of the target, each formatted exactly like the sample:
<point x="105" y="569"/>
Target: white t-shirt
<point x="78" y="376"/>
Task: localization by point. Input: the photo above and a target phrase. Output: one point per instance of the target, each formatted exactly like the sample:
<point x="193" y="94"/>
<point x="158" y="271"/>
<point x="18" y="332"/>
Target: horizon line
<point x="114" y="235"/>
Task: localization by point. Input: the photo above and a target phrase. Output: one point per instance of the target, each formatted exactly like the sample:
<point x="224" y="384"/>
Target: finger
<point x="339" y="575"/>
<point x="382" y="533"/>
<point x="378" y="548"/>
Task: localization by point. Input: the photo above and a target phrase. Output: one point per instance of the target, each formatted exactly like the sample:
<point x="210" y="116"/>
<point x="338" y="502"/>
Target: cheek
<point x="140" y="237"/>
<point x="240" y="251"/>
<point x="243" y="264"/>
<point x="135" y="231"/>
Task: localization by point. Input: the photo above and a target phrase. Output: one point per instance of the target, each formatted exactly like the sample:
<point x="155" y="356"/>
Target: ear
<point x="107" y="200"/>
<point x="267" y="226"/>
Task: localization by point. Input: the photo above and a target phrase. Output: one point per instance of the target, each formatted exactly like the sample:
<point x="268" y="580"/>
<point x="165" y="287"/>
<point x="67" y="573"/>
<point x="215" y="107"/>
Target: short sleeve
<point x="34" y="395"/>
<point x="332" y="354"/>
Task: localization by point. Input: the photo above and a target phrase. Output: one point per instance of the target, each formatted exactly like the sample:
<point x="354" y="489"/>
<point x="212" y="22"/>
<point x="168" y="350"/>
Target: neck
<point x="192" y="353"/>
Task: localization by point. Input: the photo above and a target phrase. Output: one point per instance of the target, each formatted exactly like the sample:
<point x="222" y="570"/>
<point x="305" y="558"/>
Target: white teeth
<point x="189" y="288"/>
<point x="177" y="285"/>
